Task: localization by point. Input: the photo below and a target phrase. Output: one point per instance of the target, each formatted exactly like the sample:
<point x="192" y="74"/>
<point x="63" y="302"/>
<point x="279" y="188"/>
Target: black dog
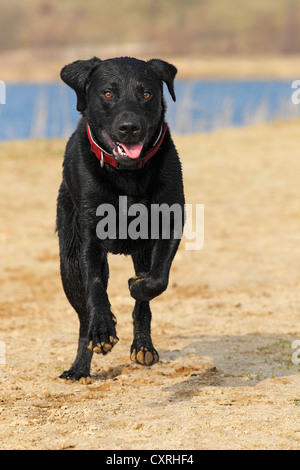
<point x="122" y="125"/>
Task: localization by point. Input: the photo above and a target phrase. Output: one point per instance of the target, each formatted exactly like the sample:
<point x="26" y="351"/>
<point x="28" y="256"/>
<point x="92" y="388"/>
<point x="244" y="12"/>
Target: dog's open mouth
<point x="124" y="151"/>
<point x="132" y="151"/>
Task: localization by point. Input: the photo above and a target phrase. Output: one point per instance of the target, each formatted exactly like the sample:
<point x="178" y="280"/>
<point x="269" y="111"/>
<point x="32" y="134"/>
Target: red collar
<point x="105" y="157"/>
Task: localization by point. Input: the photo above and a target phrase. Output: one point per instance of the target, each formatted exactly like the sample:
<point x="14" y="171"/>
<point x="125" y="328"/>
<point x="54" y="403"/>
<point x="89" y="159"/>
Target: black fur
<point x="128" y="115"/>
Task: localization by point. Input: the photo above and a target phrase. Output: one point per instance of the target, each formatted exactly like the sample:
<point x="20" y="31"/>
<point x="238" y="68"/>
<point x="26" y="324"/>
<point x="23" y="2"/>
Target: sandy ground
<point x="223" y="329"/>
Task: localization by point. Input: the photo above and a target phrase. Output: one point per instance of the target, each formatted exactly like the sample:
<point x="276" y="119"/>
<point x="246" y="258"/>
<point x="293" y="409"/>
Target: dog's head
<point x="122" y="100"/>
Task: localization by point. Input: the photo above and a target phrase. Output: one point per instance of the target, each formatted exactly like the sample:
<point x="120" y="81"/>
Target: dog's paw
<point x="102" y="335"/>
<point x="73" y="375"/>
<point x="144" y="356"/>
<point x="146" y="286"/>
<point x="103" y="347"/>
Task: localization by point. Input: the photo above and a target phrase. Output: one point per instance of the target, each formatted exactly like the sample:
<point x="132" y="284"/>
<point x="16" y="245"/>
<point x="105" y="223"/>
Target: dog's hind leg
<point x="73" y="287"/>
<point x="142" y="350"/>
<point x="69" y="242"/>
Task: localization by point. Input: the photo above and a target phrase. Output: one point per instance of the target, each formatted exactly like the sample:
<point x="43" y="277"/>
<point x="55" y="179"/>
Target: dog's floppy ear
<point x="77" y="75"/>
<point x="166" y="72"/>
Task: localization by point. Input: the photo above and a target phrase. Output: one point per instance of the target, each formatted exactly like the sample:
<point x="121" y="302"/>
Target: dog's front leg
<point x="147" y="285"/>
<point x="102" y="323"/>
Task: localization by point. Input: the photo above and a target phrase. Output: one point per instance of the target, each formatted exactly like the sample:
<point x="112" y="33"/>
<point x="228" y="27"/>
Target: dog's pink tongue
<point x="132" y="150"/>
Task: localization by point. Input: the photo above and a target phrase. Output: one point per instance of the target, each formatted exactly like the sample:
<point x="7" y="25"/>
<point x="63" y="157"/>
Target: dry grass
<point x="189" y="27"/>
<point x="28" y="65"/>
<point x="205" y="39"/>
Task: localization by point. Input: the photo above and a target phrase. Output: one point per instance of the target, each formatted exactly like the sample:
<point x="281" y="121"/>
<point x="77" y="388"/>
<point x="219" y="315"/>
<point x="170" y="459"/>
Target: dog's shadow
<point x="215" y="361"/>
<point x="228" y="361"/>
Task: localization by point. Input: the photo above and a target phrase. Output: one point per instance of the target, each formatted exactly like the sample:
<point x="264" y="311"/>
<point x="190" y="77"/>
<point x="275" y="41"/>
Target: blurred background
<point x="236" y="60"/>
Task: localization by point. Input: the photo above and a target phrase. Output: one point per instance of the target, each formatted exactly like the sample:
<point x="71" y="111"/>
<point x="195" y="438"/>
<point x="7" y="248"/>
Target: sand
<point x="223" y="329"/>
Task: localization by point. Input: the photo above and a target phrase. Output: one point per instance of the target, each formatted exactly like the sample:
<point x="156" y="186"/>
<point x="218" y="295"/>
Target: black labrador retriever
<point x="121" y="147"/>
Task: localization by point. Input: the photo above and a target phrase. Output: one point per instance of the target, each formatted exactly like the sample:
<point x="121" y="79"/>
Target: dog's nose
<point x="129" y="130"/>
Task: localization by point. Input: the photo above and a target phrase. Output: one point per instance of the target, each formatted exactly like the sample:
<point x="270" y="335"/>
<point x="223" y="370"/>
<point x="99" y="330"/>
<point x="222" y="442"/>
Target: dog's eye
<point x="147" y="95"/>
<point x="108" y="94"/>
